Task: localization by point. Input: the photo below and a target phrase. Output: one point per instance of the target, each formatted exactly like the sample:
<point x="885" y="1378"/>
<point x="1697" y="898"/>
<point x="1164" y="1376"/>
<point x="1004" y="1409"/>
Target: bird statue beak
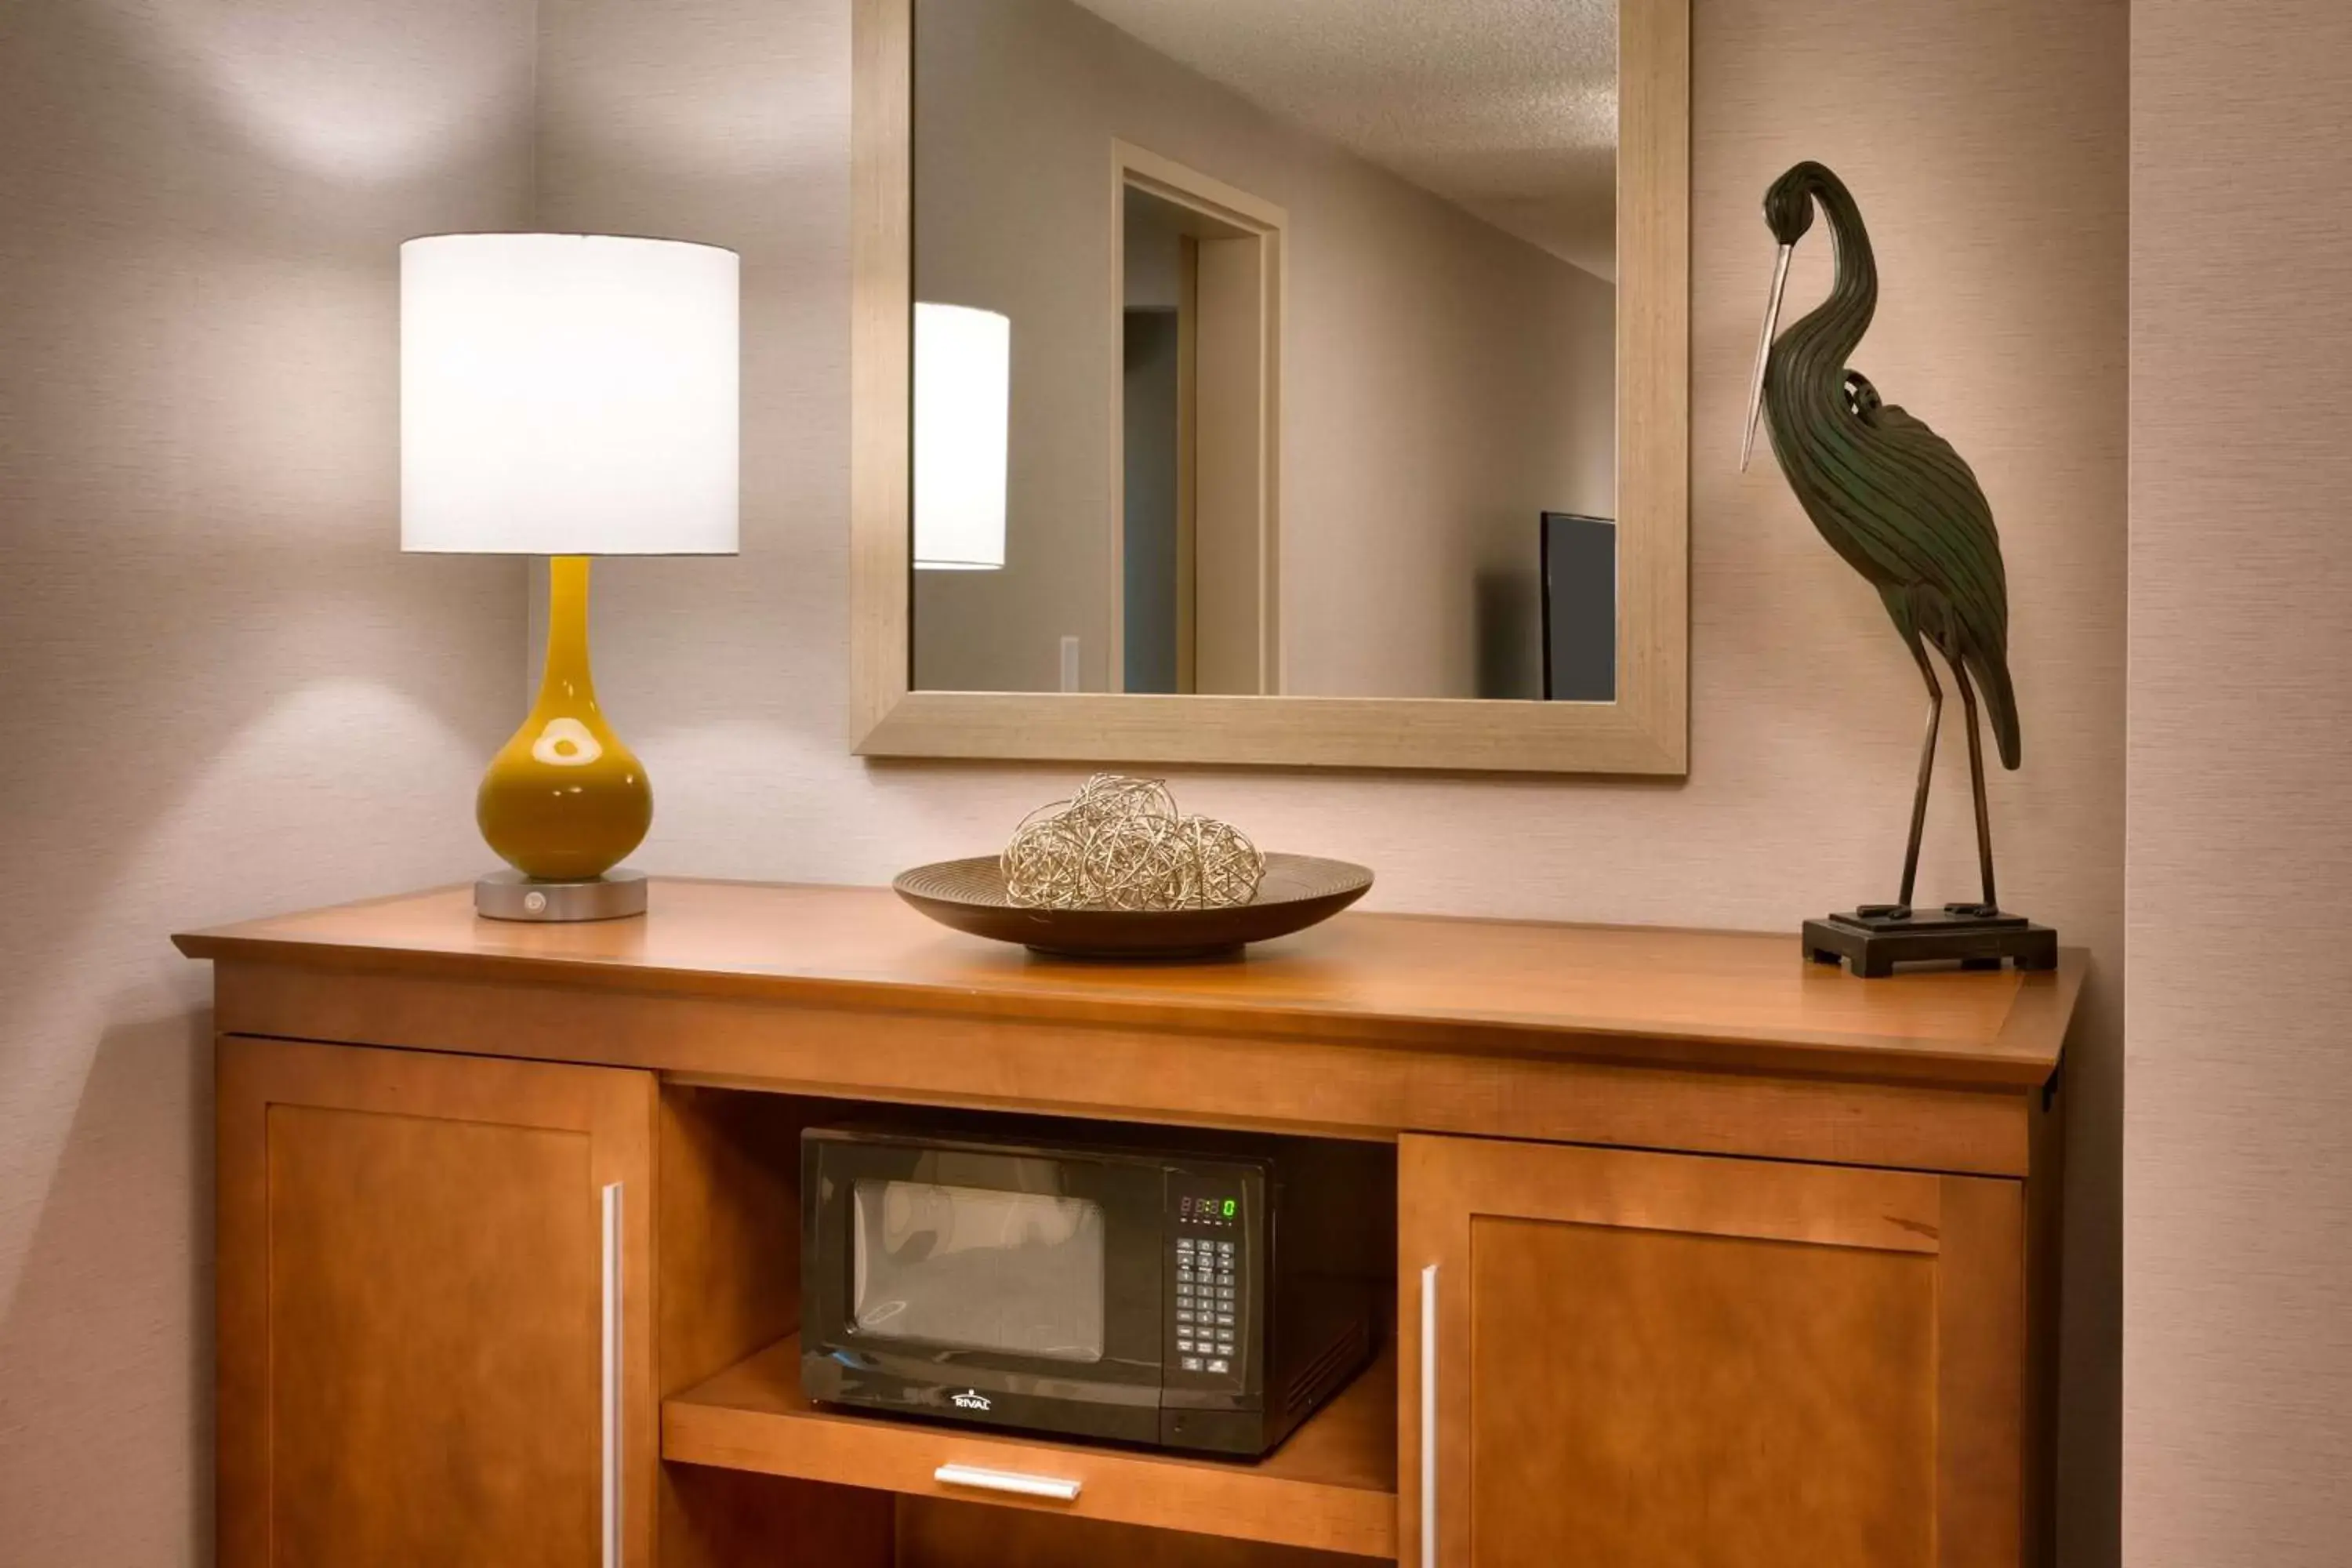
<point x="1764" y="355"/>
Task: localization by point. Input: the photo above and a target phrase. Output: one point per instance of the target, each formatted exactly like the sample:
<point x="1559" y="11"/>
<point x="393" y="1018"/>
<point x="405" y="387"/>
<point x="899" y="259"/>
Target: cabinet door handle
<point x="613" y="1369"/>
<point x="1429" y="1416"/>
<point x="1052" y="1487"/>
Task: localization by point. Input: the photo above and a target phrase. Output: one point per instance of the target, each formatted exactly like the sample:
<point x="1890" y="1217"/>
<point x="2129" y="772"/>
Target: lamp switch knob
<point x="535" y="902"/>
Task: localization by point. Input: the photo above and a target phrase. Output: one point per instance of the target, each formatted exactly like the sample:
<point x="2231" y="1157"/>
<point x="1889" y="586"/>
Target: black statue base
<point x="1876" y="937"/>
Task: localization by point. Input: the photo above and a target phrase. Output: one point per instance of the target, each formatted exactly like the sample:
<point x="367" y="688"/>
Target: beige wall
<point x="1442" y="381"/>
<point x="221" y="690"/>
<point x="2238" y="1312"/>
<point x="1987" y="140"/>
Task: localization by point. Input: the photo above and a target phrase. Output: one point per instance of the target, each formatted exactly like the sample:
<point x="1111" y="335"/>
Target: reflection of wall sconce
<point x="963" y="380"/>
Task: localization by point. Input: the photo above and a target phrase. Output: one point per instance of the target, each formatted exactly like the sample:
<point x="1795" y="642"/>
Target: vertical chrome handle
<point x="611" y="1377"/>
<point x="1429" y="1416"/>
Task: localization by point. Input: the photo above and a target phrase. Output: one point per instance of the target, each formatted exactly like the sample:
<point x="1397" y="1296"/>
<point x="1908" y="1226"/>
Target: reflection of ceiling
<point x="1506" y="106"/>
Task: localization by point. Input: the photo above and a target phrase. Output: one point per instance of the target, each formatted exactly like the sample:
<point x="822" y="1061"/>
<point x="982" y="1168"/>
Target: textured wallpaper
<point x="222" y="692"/>
<point x="2238" y="1307"/>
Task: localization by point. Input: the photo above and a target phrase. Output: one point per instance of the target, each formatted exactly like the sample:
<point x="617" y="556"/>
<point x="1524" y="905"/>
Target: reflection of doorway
<point x="1197" y="280"/>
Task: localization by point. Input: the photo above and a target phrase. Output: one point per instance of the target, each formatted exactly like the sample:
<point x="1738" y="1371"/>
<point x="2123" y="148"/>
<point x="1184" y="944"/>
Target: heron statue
<point x="1898" y="503"/>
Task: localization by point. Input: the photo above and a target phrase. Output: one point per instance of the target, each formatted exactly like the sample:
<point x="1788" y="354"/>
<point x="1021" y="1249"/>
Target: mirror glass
<point x="1266" y="346"/>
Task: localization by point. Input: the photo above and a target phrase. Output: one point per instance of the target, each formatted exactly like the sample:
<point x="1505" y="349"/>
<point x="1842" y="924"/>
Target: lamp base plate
<point x="509" y="895"/>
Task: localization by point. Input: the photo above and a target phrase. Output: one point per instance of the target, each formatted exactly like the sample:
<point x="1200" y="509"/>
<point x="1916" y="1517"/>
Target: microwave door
<point x="937" y="1269"/>
<point x="1018" y="1274"/>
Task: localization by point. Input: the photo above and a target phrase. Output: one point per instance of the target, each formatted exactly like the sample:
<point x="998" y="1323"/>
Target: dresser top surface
<point x="1717" y="998"/>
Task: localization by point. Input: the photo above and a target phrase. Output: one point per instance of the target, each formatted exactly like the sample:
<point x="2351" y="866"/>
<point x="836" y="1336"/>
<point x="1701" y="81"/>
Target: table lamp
<point x="567" y="396"/>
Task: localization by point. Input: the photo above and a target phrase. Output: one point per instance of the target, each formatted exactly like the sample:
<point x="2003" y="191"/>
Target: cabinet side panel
<point x="1980" y="1308"/>
<point x="2044" y="1290"/>
<point x="727" y="1237"/>
<point x="728" y="1259"/>
<point x="935" y="1534"/>
<point x="241" y="1307"/>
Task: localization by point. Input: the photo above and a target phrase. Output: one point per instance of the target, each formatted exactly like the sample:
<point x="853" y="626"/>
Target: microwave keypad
<point x="1207" y="1305"/>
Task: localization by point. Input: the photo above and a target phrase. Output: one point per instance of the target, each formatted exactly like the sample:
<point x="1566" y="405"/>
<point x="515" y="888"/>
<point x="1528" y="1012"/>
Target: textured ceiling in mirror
<point x="1508" y="108"/>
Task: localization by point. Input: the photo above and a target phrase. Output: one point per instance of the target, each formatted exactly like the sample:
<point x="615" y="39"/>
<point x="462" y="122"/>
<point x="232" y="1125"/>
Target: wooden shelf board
<point x="1331" y="1488"/>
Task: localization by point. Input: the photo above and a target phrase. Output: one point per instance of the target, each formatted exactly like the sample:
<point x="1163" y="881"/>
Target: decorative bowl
<point x="1297" y="892"/>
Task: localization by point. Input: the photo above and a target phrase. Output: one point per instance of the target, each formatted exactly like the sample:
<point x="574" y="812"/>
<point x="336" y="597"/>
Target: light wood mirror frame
<point x="1645" y="730"/>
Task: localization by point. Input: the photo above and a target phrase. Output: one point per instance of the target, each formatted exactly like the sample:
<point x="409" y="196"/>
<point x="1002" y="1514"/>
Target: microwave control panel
<point x="1209" y="1266"/>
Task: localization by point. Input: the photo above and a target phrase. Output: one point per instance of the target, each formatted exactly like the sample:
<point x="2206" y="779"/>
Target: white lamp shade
<point x="963" y="391"/>
<point x="568" y="394"/>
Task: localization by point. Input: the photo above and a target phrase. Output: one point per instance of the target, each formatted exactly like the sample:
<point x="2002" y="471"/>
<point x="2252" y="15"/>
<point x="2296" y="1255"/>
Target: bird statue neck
<point x="1835" y="328"/>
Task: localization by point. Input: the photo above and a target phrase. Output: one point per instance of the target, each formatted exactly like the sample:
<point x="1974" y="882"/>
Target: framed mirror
<point x="1295" y="383"/>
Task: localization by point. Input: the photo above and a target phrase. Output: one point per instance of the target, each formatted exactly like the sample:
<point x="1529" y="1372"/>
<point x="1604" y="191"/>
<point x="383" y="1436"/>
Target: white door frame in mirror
<point x="1645" y="730"/>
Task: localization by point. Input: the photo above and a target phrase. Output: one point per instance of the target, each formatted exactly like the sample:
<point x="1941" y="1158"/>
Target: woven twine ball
<point x="1122" y="843"/>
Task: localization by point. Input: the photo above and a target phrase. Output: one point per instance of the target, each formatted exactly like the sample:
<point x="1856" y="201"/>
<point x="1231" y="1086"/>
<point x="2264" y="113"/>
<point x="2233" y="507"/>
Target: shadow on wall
<point x="119" y="1258"/>
<point x="1508" y="619"/>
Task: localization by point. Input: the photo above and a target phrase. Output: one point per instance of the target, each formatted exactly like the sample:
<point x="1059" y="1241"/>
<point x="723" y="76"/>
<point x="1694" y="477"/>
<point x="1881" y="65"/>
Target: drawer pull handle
<point x="1052" y="1487"/>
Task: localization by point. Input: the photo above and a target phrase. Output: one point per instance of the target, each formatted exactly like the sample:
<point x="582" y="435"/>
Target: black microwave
<point x="1204" y="1297"/>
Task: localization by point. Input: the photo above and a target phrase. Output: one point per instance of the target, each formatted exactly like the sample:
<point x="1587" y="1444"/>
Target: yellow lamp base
<point x="564" y="801"/>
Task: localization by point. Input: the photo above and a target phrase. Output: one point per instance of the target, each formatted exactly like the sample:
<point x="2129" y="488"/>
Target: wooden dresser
<point x="1738" y="1259"/>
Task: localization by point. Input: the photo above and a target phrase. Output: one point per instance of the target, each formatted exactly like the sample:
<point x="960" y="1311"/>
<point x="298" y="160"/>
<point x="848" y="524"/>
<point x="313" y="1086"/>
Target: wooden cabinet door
<point x="435" y="1310"/>
<point x="1662" y="1360"/>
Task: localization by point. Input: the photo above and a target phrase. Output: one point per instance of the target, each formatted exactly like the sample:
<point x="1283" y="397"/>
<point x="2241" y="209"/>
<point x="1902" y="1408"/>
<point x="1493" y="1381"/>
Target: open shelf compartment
<point x="1330" y="1488"/>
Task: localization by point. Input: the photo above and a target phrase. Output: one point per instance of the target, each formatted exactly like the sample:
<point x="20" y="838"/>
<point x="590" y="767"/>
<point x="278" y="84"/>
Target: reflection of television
<point x="1580" y="608"/>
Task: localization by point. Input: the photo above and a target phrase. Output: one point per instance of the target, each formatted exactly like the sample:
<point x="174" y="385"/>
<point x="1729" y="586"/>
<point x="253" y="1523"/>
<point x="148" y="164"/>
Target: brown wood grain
<point x="727" y="1266"/>
<point x="2045" y="1189"/>
<point x="935" y="1534"/>
<point x="1686" y="1361"/>
<point x="728" y="1250"/>
<point x="409" y="1279"/>
<point x="733" y="1519"/>
<point x="1696" y="1399"/>
<point x="1331" y="1487"/>
<point x="1355" y="1090"/>
<point x="1648" y="995"/>
<point x="1743" y="1275"/>
<point x="1981" y="1369"/>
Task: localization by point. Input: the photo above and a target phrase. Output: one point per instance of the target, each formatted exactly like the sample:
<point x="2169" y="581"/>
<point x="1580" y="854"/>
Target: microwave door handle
<point x="1429" y="1416"/>
<point x="1055" y="1487"/>
<point x="612" y="1371"/>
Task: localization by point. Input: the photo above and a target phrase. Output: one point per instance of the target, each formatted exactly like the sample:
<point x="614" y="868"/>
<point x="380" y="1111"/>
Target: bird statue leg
<point x="1927" y="767"/>
<point x="1977" y="784"/>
